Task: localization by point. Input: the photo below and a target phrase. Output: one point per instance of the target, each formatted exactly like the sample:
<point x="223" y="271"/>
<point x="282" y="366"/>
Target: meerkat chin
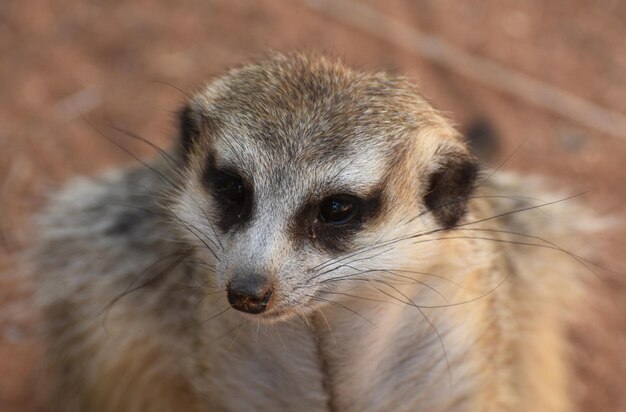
<point x="319" y="239"/>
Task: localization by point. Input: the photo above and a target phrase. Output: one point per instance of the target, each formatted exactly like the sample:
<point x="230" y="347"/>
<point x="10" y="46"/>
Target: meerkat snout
<point x="250" y="293"/>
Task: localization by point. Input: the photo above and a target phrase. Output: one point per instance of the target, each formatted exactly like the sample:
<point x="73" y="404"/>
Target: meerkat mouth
<point x="278" y="313"/>
<point x="271" y="316"/>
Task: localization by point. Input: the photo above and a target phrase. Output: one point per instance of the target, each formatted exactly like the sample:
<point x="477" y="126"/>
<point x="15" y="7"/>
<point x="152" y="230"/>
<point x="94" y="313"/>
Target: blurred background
<point x="546" y="80"/>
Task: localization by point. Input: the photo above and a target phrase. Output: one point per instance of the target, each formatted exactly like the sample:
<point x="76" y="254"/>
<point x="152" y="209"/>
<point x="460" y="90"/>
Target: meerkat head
<point x="300" y="171"/>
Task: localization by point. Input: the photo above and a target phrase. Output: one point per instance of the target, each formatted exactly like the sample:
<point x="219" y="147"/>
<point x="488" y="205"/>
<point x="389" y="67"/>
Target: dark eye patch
<point x="232" y="195"/>
<point x="229" y="187"/>
<point x="331" y="222"/>
<point x="339" y="209"/>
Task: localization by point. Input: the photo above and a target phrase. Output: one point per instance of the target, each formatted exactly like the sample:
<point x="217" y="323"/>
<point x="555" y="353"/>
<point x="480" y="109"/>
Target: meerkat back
<point x="317" y="239"/>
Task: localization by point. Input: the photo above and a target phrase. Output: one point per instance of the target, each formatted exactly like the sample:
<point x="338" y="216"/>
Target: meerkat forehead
<point x="304" y="163"/>
<point x="311" y="115"/>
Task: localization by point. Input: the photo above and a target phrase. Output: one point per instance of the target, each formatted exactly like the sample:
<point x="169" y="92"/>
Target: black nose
<point x="249" y="293"/>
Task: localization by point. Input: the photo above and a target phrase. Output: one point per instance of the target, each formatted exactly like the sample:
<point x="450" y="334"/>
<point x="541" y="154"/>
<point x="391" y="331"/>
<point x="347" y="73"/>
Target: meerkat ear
<point x="449" y="188"/>
<point x="189" y="129"/>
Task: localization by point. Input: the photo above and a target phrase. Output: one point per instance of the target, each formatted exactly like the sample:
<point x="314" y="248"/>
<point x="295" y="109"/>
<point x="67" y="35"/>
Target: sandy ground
<point x="71" y="70"/>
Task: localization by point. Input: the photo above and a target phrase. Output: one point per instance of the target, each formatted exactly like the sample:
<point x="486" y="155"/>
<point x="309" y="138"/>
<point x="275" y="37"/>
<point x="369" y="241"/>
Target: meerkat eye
<point x="229" y="187"/>
<point x="338" y="209"/>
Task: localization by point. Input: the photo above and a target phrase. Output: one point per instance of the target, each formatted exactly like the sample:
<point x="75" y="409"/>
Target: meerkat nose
<point x="249" y="293"/>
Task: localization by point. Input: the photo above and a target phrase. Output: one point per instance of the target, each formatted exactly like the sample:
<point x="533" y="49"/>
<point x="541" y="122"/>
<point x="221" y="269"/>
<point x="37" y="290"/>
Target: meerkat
<point x="319" y="239"/>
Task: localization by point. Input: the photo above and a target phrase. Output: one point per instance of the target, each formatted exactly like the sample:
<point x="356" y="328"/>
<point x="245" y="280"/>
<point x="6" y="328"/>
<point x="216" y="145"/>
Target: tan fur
<point x="133" y="267"/>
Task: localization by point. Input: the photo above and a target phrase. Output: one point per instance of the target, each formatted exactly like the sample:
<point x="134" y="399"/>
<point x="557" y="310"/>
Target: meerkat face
<point x="300" y="172"/>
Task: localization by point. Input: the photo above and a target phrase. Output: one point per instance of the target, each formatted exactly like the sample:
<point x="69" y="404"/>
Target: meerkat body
<point x="338" y="210"/>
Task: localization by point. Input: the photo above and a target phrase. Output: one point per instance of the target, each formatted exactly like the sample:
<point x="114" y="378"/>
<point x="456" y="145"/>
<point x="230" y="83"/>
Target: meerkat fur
<point x="447" y="289"/>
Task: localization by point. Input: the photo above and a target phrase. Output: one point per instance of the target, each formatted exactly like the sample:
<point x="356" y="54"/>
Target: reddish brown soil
<point x="122" y="63"/>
